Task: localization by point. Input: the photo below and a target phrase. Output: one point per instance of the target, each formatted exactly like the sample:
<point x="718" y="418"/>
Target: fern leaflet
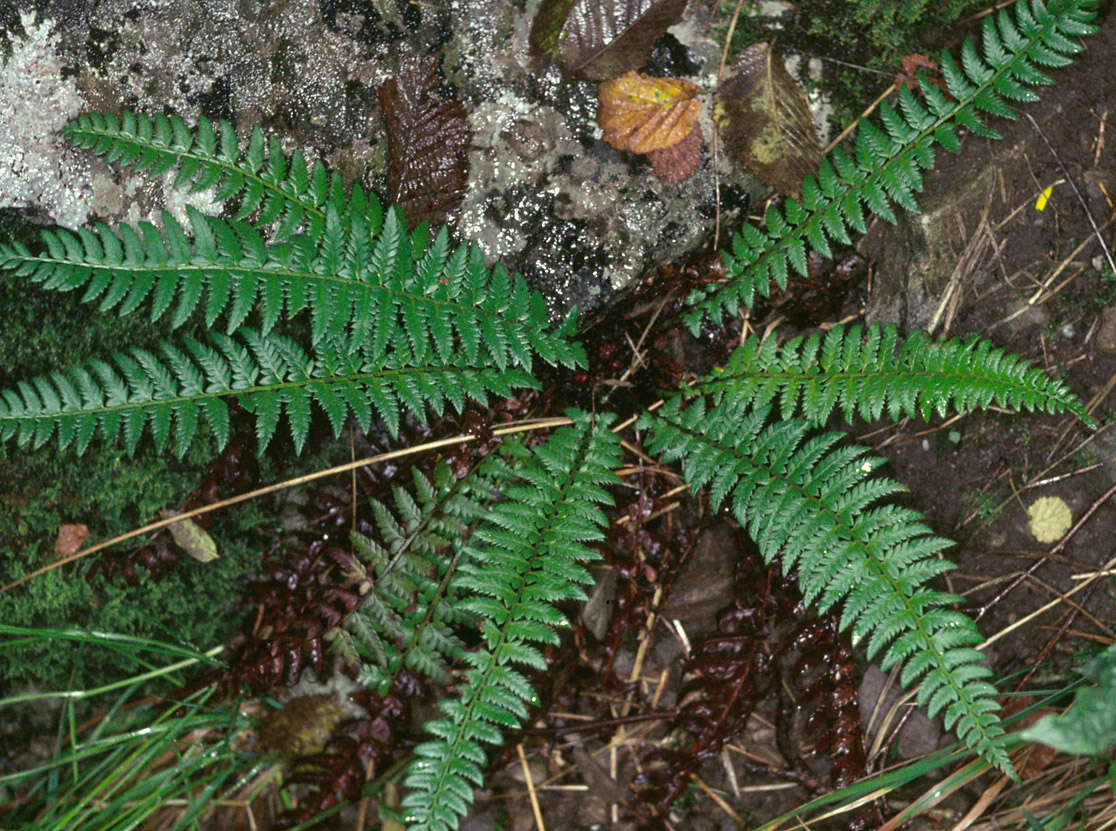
<point x="271" y="186"/>
<point x="886" y="164"/>
<point x="523" y="558"/>
<point x="867" y="372"/>
<point x="268" y="375"/>
<point x="390" y="288"/>
<point x="812" y="505"/>
<point x="407" y="619"/>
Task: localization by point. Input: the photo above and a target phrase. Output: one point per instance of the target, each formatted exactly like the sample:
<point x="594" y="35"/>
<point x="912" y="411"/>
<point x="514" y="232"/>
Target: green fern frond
<point x="868" y="372"/>
<point x="407" y="619"/>
<point x="271" y="186"/>
<point x="813" y="505"/>
<point x="390" y="288"/>
<point x="886" y="164"/>
<point x="268" y="375"/>
<point x="524" y="558"/>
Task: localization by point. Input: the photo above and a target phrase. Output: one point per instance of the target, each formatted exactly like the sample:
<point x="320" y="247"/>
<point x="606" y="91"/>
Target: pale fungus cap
<point x="1050" y="518"/>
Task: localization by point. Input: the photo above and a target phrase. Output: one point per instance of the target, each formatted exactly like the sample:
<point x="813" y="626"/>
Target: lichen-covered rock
<point x="36" y="169"/>
<point x="545" y="195"/>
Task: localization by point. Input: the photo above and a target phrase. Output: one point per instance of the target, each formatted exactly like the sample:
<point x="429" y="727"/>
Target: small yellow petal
<point x="1040" y="203"/>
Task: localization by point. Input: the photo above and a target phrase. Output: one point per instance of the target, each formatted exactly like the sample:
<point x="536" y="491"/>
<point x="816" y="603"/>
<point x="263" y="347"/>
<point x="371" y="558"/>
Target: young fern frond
<point x="523" y="558"/>
<point x="812" y="504"/>
<point x="390" y="288"/>
<point x="407" y="618"/>
<point x="886" y="165"/>
<point x="868" y="372"/>
<point x="284" y="190"/>
<point x="268" y="375"/>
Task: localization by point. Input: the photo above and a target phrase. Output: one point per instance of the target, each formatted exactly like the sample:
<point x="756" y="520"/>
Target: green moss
<point x="109" y="492"/>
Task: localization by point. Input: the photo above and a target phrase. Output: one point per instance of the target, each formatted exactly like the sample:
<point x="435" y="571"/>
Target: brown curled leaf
<point x="679" y="162"/>
<point x="641" y="114"/>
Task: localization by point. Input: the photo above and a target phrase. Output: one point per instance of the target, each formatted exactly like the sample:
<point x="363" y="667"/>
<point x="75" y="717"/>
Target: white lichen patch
<point x="36" y="168"/>
<point x="1050" y="518"/>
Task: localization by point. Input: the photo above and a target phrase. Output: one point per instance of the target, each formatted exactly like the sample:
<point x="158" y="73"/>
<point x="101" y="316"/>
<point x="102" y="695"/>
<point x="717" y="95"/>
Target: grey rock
<point x="546" y="196"/>
<point x="1106" y="332"/>
<point x="704" y="586"/>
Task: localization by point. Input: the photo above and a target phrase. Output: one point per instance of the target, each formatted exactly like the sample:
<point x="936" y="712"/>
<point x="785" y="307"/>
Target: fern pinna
<point x="394" y="320"/>
<point x="409" y="621"/>
<point x="523" y="558"/>
<point x="868" y="372"/>
<point x="269" y="186"/>
<point x="886" y="165"/>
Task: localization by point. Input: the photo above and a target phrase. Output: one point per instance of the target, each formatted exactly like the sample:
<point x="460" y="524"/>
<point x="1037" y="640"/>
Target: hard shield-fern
<point x="810" y="503"/>
<point x="868" y="372"/>
<point x="393" y="320"/>
<point x="523" y="558"/>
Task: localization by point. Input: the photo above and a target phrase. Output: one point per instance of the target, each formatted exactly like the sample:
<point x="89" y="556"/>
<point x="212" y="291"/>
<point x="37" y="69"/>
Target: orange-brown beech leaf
<point x="599" y="39"/>
<point x="765" y="120"/>
<point x="680" y="161"/>
<point x="642" y="114"/>
<point x="427" y="136"/>
<point x="911" y="64"/>
<point x="70" y="538"/>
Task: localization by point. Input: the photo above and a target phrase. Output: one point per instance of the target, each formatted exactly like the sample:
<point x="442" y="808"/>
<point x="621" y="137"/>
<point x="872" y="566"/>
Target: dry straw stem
<point x="518" y="427"/>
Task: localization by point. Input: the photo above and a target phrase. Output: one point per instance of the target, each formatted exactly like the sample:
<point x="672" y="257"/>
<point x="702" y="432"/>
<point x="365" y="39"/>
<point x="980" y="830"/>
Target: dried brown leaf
<point x="765" y="121"/>
<point x="599" y="39"/>
<point x="912" y="63"/>
<point x="641" y="114"/>
<point x="427" y="137"/>
<point x="70" y="539"/>
<point x="680" y="161"/>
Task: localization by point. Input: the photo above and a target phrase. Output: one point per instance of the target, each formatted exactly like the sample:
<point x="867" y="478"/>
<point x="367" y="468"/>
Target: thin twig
<point x="717" y="132"/>
<point x="530" y="788"/>
<point x="1077" y="193"/>
<point x="521" y="427"/>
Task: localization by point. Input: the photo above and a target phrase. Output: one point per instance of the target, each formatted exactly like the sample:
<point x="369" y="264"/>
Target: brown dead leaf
<point x="599" y="39"/>
<point x="642" y="114"/>
<point x="70" y="539"/>
<point x="428" y="140"/>
<point x="680" y="161"/>
<point x="766" y="122"/>
<point x="911" y="64"/>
